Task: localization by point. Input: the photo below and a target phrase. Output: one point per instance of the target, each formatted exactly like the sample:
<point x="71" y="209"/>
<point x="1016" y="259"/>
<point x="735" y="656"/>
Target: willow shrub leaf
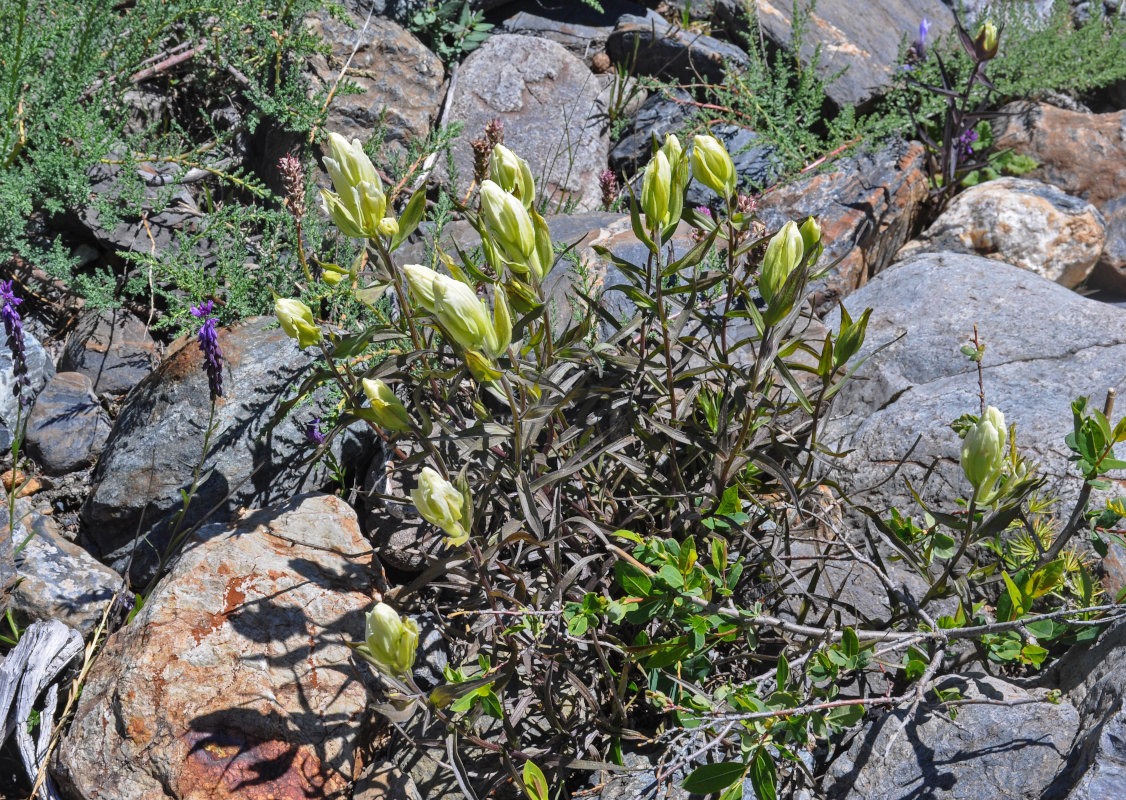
<point x="712" y="778"/>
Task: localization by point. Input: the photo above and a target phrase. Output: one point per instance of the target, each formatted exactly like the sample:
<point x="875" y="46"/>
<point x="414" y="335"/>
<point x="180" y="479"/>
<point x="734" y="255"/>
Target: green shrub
<point x="626" y="502"/>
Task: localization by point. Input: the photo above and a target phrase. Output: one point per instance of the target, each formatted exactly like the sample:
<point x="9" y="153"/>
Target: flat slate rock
<point x="652" y="46"/>
<point x="148" y="226"/>
<point x="861" y="40"/>
<point x="577" y="26"/>
<point x="67" y="427"/>
<point x="661" y="113"/>
<point x="158" y="437"/>
<point x="552" y="109"/>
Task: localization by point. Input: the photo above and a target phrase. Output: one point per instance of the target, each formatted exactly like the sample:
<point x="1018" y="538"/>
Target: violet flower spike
<point x="965" y="142"/>
<point x="209" y="346"/>
<point x="13" y="328"/>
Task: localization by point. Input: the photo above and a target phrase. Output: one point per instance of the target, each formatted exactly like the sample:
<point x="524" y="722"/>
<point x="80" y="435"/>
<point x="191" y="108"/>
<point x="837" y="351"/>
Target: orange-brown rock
<point x="234" y="680"/>
<point x="1025" y="223"/>
<point x="867" y="206"/>
<point x="1083" y="154"/>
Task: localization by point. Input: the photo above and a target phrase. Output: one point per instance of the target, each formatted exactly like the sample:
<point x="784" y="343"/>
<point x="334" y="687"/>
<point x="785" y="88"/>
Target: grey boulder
<point x="863" y="41"/>
<point x="158" y="440"/>
<point x="1091" y="679"/>
<point x="552" y="111"/>
<point x="1045" y="346"/>
<point x="59" y="580"/>
<point x="112" y="348"/>
<point x="67" y="427"/>
<point x="399" y="78"/>
<point x="1003" y="752"/>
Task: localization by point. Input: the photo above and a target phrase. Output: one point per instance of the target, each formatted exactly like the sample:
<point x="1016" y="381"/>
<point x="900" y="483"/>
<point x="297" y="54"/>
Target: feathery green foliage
<point x="141" y="87"/>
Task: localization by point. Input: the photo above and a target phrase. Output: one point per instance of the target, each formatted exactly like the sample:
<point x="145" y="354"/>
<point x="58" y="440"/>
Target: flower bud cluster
<point x="445" y="505"/>
<point x="460" y="313"/>
<point x="296" y="320"/>
<point x="390" y="641"/>
<point x="983" y="453"/>
<point x="787" y="250"/>
<point x="359" y="204"/>
<point x="387" y="410"/>
<point x="663" y="185"/>
<point x="713" y="167"/>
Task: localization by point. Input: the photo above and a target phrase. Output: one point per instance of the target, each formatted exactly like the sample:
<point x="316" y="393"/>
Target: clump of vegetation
<point x="785" y="102"/>
<point x="197" y="84"/>
<point x="950" y="89"/>
<point x="626" y="504"/>
<point x="451" y="28"/>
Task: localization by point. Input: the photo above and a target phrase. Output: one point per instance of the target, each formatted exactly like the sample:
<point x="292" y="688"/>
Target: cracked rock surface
<point x="1045" y="346"/>
<point x="235" y="679"/>
<point x="1007" y="752"/>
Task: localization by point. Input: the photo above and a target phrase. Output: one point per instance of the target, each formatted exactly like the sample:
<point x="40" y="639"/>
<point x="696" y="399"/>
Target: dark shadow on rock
<point x="250" y="754"/>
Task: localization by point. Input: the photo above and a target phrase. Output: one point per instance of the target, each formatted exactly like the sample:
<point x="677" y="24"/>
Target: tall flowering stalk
<point x="13" y="330"/>
<point x="209" y="346"/>
<point x="208" y="339"/>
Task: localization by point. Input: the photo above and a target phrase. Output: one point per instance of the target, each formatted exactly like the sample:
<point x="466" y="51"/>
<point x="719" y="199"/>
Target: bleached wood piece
<point x="44" y="650"/>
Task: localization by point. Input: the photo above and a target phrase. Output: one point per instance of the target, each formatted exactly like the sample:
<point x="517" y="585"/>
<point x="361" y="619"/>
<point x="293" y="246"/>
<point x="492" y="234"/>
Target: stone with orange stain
<point x="1082" y="153"/>
<point x="234" y="679"/>
<point x="1022" y="222"/>
<point x="27" y="484"/>
<point x="867" y="205"/>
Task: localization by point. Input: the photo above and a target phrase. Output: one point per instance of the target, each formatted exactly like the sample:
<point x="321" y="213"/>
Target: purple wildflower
<point x="13" y="327"/>
<point x="707" y="212"/>
<point x="965" y="143"/>
<point x="209" y="345"/>
<point x="918" y="50"/>
<point x="313" y="432"/>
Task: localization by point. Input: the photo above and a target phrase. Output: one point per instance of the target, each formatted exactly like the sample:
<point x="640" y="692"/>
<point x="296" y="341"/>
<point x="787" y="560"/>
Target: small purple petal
<point x="313" y="431"/>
